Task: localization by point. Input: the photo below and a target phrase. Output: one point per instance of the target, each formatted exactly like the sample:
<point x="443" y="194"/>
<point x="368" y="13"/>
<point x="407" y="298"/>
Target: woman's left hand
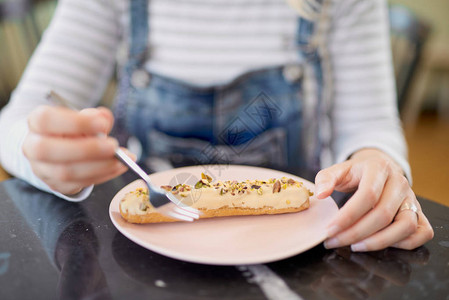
<point x="378" y="215"/>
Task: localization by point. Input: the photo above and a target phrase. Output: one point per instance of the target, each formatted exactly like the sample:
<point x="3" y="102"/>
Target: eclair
<point x="222" y="199"/>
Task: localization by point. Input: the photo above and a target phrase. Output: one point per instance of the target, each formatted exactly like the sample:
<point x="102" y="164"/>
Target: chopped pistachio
<point x="166" y="187"/>
<point x="143" y="206"/>
<point x="206" y="177"/>
<point x="276" y="187"/>
<point x="199" y="185"/>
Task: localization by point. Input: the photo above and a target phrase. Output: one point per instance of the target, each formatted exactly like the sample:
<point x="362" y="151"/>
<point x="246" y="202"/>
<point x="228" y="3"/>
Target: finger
<point x="327" y="179"/>
<point x="375" y="219"/>
<point x="100" y="112"/>
<point x="61" y="150"/>
<point x="94" y="172"/>
<point x="423" y="234"/>
<point x="405" y="224"/>
<point x="372" y="181"/>
<point x="71" y="177"/>
<point x="49" y="120"/>
<point x="68" y="189"/>
<point x="80" y="171"/>
<point x="106" y="177"/>
<point x="73" y="187"/>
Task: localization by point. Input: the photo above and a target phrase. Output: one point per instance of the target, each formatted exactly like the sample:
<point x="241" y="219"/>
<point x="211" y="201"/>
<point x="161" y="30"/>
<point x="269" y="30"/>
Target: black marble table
<point x="53" y="249"/>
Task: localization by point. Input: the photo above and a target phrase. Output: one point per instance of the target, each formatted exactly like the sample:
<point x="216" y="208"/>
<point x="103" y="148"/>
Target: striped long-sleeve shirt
<point x="207" y="42"/>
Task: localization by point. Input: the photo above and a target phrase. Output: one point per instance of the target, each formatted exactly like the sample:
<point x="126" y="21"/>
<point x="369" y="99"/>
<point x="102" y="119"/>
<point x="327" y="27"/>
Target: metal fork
<point x="163" y="201"/>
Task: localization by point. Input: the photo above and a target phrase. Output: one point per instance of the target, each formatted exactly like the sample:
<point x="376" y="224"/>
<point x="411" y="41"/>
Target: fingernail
<point x="333" y="230"/>
<point x="321" y="188"/>
<point x="331" y="243"/>
<point x="108" y="144"/>
<point x="358" y="247"/>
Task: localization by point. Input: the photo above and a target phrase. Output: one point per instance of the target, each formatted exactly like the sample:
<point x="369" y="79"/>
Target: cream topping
<point x="273" y="193"/>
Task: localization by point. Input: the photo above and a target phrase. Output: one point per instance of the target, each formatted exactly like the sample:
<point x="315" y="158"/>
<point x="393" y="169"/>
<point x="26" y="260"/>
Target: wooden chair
<point x="3" y="174"/>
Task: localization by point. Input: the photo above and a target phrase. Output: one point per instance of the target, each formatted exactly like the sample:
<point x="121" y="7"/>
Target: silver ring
<point x="410" y="206"/>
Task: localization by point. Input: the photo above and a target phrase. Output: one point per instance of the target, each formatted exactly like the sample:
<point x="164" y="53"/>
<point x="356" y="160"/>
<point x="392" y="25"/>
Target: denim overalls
<point x="257" y="119"/>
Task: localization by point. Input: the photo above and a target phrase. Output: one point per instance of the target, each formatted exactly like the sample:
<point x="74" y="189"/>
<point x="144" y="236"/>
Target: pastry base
<point x="154" y="217"/>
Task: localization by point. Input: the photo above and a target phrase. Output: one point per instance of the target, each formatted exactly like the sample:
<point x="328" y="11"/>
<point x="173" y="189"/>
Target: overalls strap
<point x="139" y="31"/>
<point x="137" y="55"/>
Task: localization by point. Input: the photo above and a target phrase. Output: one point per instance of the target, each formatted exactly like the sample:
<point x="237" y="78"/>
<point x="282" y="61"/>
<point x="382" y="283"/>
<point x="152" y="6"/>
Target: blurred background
<point x="420" y="47"/>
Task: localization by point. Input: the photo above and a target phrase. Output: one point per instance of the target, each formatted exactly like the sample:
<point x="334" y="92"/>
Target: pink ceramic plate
<point x="229" y="240"/>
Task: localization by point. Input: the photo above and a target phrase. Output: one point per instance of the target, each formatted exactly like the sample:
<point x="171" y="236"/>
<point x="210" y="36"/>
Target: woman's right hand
<point x="70" y="150"/>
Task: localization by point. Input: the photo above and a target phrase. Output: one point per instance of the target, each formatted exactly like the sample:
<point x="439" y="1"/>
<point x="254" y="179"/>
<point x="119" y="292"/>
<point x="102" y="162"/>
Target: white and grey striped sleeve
<point x="75" y="58"/>
<point x="364" y="110"/>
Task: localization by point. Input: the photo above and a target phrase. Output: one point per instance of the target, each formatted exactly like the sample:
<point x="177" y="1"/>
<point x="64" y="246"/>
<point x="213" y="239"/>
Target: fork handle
<point x="121" y="155"/>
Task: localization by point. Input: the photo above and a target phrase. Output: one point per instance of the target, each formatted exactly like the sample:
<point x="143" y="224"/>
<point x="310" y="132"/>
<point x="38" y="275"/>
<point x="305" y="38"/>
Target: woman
<point x="306" y="84"/>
